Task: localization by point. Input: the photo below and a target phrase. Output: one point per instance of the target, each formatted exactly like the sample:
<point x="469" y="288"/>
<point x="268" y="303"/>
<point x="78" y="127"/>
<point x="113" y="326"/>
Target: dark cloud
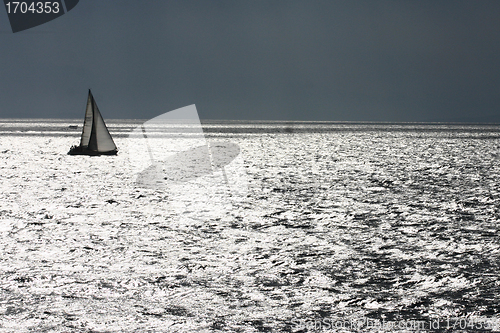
<point x="279" y="59"/>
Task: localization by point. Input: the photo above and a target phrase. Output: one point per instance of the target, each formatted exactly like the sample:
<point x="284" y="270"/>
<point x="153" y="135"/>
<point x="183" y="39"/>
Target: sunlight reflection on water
<point x="374" y="223"/>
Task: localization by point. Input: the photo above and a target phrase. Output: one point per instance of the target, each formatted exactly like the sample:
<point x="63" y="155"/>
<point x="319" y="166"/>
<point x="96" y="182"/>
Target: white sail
<point x="100" y="139"/>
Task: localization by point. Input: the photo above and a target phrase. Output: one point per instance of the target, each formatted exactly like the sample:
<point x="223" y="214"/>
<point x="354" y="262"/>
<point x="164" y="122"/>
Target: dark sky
<point x="259" y="59"/>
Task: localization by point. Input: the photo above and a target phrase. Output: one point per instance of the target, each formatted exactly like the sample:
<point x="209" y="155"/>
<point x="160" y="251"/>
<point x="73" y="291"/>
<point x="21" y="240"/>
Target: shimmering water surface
<point x="341" y="221"/>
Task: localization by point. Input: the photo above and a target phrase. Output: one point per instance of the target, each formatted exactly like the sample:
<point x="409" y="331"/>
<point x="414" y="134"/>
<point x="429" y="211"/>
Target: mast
<point x="93" y="139"/>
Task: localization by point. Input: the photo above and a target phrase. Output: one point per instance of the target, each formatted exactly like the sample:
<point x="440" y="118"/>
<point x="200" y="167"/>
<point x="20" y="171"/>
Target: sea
<point x="313" y="227"/>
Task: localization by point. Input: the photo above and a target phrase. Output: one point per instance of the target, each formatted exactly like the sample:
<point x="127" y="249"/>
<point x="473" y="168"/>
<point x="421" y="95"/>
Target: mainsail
<point x="96" y="139"/>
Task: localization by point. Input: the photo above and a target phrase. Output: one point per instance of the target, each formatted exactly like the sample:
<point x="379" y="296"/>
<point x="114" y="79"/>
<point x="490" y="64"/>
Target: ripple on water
<point x="402" y="227"/>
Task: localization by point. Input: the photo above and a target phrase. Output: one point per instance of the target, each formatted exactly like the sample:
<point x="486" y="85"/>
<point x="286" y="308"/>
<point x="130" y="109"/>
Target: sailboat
<point x="96" y="139"/>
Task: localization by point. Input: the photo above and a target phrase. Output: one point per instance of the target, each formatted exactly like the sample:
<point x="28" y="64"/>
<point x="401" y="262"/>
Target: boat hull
<point x="78" y="150"/>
